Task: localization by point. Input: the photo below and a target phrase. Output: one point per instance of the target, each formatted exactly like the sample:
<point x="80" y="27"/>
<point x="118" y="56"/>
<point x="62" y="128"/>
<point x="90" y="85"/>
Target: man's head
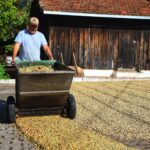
<point x="33" y="25"/>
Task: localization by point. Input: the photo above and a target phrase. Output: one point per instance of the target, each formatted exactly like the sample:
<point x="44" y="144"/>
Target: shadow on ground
<point x="3" y="111"/>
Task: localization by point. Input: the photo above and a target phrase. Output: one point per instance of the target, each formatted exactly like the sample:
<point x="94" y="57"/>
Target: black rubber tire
<point x="11" y="114"/>
<point x="71" y="107"/>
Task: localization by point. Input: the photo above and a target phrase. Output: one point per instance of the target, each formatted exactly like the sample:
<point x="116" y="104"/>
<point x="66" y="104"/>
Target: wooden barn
<point x="102" y="34"/>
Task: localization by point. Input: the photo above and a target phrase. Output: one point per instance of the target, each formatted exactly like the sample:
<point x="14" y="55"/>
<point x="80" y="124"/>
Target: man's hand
<point x="15" y="51"/>
<point x="51" y="58"/>
<point x="12" y="62"/>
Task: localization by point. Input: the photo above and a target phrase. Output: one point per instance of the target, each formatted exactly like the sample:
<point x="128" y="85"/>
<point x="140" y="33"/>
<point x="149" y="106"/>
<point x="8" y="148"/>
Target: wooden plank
<point x="70" y="47"/>
<point x="102" y="50"/>
<point x="60" y="46"/>
<point x="132" y="49"/>
<point x="99" y="48"/>
<point x="55" y="41"/>
<point x="66" y="45"/>
<point x="148" y="53"/>
<point x="89" y="50"/>
<point x="96" y="46"/>
<point x="77" y="44"/>
<point x="137" y="51"/>
<point x="111" y="45"/>
<point x="91" y="56"/>
<point x="115" y="57"/>
<point x="107" y="49"/>
<point x="124" y="47"/>
<point x="51" y="32"/>
<point x="130" y="55"/>
<point x="81" y="46"/>
<point x="100" y="38"/>
<point x="141" y="48"/>
<point x="86" y="52"/>
<point x="145" y="49"/>
<point x="120" y="51"/>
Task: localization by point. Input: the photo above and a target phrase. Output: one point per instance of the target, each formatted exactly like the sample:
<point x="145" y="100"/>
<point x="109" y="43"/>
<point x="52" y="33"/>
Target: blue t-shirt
<point x="30" y="44"/>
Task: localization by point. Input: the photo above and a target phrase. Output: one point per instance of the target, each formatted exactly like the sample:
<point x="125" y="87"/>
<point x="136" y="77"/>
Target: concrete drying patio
<point x="103" y="75"/>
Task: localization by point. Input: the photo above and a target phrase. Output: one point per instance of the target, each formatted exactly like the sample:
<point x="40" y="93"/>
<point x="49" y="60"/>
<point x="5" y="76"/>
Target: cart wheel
<point x="71" y="107"/>
<point x="11" y="114"/>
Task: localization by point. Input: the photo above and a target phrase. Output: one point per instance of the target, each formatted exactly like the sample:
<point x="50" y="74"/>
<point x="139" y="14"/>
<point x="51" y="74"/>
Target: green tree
<point x="13" y="17"/>
<point x="3" y="74"/>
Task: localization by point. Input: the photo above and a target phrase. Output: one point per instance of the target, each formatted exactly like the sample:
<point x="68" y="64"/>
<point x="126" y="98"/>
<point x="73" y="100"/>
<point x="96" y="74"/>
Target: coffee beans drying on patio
<point x="39" y="68"/>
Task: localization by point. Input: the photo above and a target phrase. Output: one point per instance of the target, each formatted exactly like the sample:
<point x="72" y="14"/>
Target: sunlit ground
<point x="110" y="116"/>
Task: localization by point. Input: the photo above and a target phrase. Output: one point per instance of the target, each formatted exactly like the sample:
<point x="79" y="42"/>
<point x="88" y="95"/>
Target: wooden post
<point x="62" y="60"/>
<point x="75" y="63"/>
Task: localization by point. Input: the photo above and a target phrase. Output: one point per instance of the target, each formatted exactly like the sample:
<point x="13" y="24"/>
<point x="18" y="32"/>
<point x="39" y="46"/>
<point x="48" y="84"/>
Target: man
<point x="30" y="41"/>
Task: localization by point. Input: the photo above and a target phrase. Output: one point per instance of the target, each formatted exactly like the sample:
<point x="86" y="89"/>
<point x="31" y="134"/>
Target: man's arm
<point x="15" y="51"/>
<point x="48" y="52"/>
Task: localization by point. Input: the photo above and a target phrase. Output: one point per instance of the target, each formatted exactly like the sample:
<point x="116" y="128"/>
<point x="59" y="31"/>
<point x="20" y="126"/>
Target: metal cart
<point x="42" y="90"/>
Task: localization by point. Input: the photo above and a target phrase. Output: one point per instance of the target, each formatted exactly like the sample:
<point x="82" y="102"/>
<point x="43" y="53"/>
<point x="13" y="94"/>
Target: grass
<point x="110" y="115"/>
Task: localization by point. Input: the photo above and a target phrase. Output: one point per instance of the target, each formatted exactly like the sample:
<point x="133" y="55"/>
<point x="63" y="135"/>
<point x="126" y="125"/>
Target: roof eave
<point x="96" y="15"/>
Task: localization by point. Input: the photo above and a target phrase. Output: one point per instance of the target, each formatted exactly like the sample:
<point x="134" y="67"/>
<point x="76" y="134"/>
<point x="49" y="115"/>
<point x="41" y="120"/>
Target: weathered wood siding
<point x="99" y="48"/>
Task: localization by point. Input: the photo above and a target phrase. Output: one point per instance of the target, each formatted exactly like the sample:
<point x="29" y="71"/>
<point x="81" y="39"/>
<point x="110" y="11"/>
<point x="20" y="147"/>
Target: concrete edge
<point x="7" y="81"/>
<point x="87" y="79"/>
<point x="95" y="79"/>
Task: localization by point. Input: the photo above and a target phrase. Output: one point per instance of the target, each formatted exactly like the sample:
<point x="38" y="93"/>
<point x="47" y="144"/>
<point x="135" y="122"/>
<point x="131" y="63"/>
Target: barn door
<point x="127" y="47"/>
<point x="101" y="49"/>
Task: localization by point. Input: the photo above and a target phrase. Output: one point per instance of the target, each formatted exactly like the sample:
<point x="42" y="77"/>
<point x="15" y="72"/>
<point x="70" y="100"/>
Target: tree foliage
<point x="13" y="17"/>
<point x="3" y="74"/>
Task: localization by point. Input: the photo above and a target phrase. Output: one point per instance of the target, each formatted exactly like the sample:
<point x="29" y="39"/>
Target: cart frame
<point x="43" y="90"/>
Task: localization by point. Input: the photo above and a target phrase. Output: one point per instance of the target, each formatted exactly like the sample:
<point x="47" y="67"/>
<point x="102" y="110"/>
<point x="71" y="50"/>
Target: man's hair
<point x="34" y="21"/>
